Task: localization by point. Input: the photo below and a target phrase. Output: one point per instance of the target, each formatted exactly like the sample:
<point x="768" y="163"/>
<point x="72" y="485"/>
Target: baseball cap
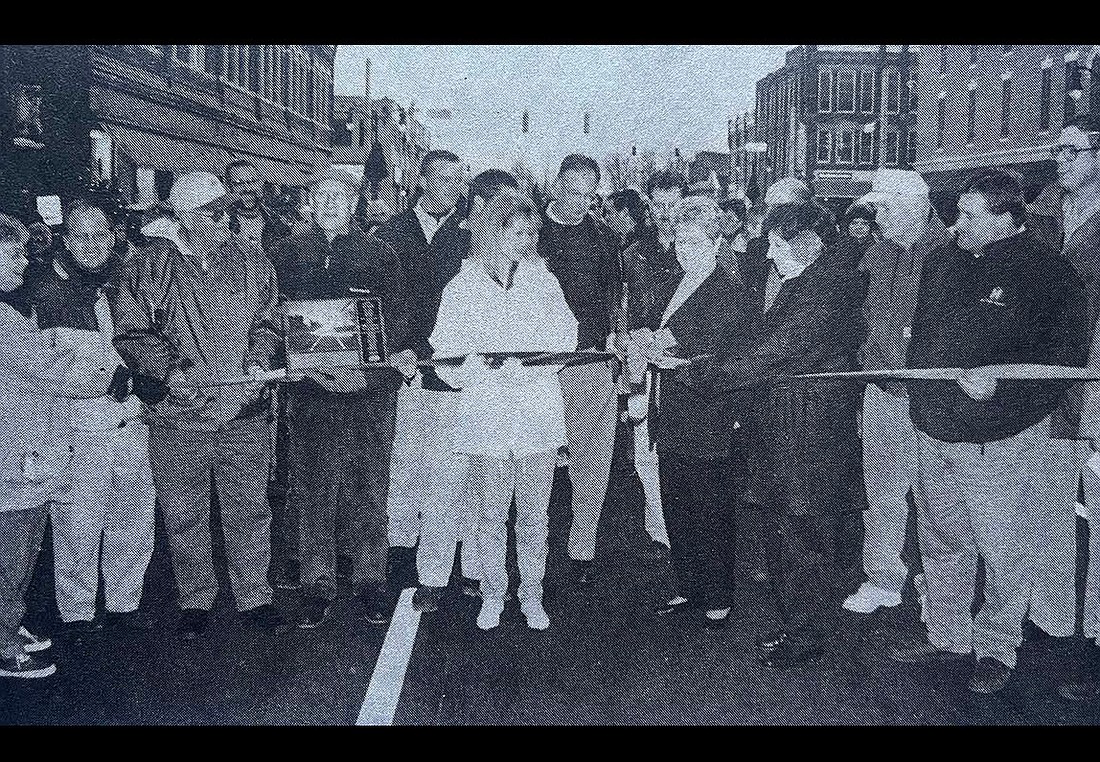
<point x="895" y="182"/>
<point x="202" y="191"/>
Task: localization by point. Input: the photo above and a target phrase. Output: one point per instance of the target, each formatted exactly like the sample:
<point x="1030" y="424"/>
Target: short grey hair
<point x="701" y="211"/>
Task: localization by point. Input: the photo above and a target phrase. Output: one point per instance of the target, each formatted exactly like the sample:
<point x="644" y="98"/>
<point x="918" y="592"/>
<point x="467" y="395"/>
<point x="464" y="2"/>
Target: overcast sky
<point x="657" y="96"/>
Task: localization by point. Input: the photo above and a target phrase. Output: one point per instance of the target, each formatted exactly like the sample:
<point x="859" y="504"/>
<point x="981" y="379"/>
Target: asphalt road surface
<point x="605" y="660"/>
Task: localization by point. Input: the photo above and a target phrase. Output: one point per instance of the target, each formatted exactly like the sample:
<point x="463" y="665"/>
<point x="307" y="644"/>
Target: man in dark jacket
<point x="248" y="217"/>
<point x="998" y="296"/>
<point x="804" y="431"/>
<point x="195" y="311"/>
<point x="583" y="254"/>
<point x="341" y="419"/>
<point x="430" y="245"/>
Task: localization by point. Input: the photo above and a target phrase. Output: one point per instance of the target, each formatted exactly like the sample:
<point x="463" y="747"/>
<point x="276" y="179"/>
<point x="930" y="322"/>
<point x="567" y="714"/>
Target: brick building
<point x="997" y="106"/>
<point x="833" y="114"/>
<point x="76" y="116"/>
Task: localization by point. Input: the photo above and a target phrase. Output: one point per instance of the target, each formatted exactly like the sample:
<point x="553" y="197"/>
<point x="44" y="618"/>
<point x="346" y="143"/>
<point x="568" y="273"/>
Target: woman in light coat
<point x="511" y="417"/>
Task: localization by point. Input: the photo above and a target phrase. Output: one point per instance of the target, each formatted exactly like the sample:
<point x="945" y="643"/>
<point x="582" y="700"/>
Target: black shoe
<point x="192" y="624"/>
<point x="655" y="551"/>
<point x="343" y="571"/>
<point x="400" y="561"/>
<point x="287" y="576"/>
<point x="772" y="640"/>
<point x="129" y="621"/>
<point x="471" y="587"/>
<point x="582" y="572"/>
<point x="667" y="608"/>
<point x="313" y="612"/>
<point x="792" y="653"/>
<point x="990" y="676"/>
<point x="427" y="598"/>
<point x="266" y="617"/>
<point x="376" y="603"/>
<point x="81" y="627"/>
<point x="921" y="652"/>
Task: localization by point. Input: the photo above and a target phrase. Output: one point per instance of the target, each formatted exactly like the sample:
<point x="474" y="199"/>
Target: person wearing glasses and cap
<point x="197" y="309"/>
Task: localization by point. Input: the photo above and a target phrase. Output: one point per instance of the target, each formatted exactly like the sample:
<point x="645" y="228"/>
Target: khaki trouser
<point x="236" y="456"/>
<point x="591" y="418"/>
<point x="889" y="471"/>
<point x="113" y="501"/>
<point x="977" y="501"/>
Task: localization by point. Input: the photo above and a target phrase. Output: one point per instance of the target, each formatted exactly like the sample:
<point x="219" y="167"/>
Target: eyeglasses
<point x="215" y="217"/>
<point x="1069" y="153"/>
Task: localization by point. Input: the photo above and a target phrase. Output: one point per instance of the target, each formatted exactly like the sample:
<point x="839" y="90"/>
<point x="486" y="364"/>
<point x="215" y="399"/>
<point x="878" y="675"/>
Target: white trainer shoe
<point x="33" y="643"/>
<point x="489" y="616"/>
<point x="870" y="597"/>
<point x="536" y="615"/>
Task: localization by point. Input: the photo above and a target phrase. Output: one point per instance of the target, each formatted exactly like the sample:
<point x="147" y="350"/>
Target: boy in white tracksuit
<point x="511" y="417"/>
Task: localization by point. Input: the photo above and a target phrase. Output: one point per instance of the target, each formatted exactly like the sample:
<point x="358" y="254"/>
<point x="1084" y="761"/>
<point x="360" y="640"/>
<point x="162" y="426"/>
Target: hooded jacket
<point x="40" y="372"/>
<point x="211" y="318"/>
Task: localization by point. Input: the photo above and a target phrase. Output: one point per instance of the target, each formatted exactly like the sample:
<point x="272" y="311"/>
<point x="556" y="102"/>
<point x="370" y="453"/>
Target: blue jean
<point x="21" y="535"/>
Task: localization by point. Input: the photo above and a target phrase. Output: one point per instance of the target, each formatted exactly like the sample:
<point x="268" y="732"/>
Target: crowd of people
<point x="137" y="378"/>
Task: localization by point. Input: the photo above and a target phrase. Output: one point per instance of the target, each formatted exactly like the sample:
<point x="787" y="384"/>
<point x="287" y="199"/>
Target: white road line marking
<point x="384" y="690"/>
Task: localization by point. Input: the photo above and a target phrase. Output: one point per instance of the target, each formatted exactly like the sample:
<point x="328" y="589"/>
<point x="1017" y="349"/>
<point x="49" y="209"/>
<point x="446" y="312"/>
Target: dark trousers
<point x="21" y="535"/>
<point x="801" y="556"/>
<point x="697" y="494"/>
<point x="339" y="475"/>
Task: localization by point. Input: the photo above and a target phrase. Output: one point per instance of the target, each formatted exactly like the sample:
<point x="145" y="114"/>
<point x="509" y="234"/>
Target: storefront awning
<point x="166" y="153"/>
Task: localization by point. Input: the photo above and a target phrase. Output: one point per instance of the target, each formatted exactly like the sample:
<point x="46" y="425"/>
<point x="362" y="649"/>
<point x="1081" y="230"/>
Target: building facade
<point x="133" y="116"/>
<point x="383" y="143"/>
<point x="998" y="106"/>
<point x="832" y="115"/>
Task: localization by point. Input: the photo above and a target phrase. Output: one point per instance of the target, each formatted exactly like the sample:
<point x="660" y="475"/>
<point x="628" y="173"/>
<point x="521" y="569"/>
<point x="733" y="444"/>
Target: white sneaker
<point x="536" y="615"/>
<point x="33" y="643"/>
<point x="489" y="616"/>
<point x="869" y="597"/>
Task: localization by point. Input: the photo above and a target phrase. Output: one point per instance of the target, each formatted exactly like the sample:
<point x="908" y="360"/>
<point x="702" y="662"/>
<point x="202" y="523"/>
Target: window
<point x="825" y="90"/>
<point x="311" y="94"/>
<point x="284" y="78"/>
<point x="866" y="147"/>
<point x="943" y="61"/>
<point x="242" y="66"/>
<point x="1070" y="103"/>
<point x="1006" y="106"/>
<point x="867" y="92"/>
<point x="912" y="86"/>
<point x="973" y="107"/>
<point x="824" y="146"/>
<point x="941" y="119"/>
<point x="845" y="147"/>
<point x="182" y="54"/>
<point x="890" y="149"/>
<point x="911" y="148"/>
<point x="1044" y="100"/>
<point x="255" y="68"/>
<point x="846" y="91"/>
<point x="212" y="60"/>
<point x="231" y="63"/>
<point x="891" y="90"/>
<point x="973" y="56"/>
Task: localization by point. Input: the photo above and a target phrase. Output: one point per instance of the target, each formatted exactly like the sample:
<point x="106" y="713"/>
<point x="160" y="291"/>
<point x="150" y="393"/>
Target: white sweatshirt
<point x="512" y="410"/>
